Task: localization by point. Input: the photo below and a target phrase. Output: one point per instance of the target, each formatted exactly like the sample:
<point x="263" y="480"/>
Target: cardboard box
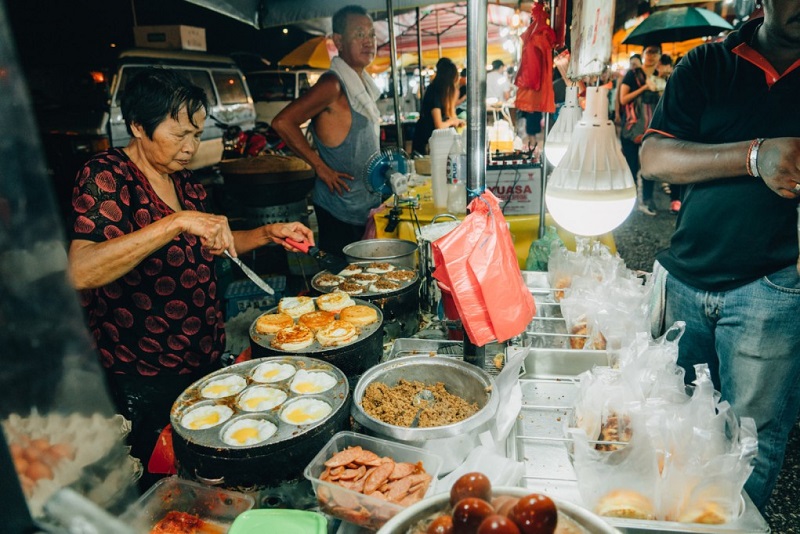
<point x="244" y="295"/>
<point x="170" y="37"/>
<point x="519" y="189"/>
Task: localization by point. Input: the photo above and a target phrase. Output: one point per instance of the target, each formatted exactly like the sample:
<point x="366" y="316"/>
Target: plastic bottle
<point x="456" y="178"/>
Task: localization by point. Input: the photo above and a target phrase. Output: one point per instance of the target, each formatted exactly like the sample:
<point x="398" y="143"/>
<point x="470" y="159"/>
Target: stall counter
<point x="524" y="228"/>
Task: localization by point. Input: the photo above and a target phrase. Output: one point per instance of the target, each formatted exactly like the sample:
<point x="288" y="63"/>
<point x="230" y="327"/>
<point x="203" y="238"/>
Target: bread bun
<point x="316" y="319"/>
<point x="334" y="301"/>
<point x="269" y="323"/>
<point x="295" y="337"/>
<point x="350" y="270"/>
<point x="328" y="280"/>
<point x="294" y="307"/>
<point x="400" y="275"/>
<point x="359" y="315"/>
<point x="365" y="279"/>
<point x="380" y="267"/>
<point x="337" y="333"/>
<point x="707" y="513"/>
<point x="352" y="288"/>
<point x="384" y="286"/>
<point x="625" y="503"/>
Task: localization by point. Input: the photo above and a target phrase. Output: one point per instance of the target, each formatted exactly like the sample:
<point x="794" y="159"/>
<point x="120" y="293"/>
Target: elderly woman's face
<point x="174" y="142"/>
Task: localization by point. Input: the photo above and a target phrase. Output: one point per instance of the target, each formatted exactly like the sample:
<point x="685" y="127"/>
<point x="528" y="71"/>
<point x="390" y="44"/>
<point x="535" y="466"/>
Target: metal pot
<point x="402" y="522"/>
<point x="465" y="380"/>
<point x="397" y="251"/>
<point x="202" y="455"/>
<point x="400" y="308"/>
<point x="353" y="359"/>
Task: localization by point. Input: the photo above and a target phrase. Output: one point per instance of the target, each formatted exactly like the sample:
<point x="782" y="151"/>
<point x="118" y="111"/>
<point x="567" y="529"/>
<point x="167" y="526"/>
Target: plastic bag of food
<point x="539" y="252"/>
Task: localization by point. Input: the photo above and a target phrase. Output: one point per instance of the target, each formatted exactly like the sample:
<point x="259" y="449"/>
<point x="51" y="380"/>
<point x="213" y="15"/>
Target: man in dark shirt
<point x="728" y="129"/>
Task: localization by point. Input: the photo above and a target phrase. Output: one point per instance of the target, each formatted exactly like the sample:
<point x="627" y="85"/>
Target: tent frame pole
<point x="398" y="121"/>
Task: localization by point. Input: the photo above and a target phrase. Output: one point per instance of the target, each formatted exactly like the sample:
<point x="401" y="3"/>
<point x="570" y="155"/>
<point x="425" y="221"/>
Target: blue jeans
<point x="750" y="339"/>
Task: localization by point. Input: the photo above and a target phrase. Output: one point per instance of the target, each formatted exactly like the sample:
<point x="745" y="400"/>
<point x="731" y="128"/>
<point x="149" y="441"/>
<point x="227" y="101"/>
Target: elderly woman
<point x="143" y="249"/>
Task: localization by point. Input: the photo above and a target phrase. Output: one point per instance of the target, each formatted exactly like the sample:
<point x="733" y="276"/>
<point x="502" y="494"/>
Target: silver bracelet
<point x="754" y="157"/>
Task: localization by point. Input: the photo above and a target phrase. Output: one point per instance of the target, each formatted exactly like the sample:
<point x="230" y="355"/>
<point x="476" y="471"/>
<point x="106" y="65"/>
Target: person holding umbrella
<point x="345" y="126"/>
<point x="728" y="129"/>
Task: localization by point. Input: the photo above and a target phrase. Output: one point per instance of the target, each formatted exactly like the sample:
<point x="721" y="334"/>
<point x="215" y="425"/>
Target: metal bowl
<point x="403" y="521"/>
<point x="465" y="380"/>
<point x="397" y="251"/>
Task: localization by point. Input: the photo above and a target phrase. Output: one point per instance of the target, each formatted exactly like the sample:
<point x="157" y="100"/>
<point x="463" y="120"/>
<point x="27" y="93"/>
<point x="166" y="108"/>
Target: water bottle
<point x="456" y="178"/>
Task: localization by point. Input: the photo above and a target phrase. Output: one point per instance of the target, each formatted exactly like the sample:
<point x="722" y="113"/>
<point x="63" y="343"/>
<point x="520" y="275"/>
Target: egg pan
<point x="264" y="340"/>
<point x="211" y="437"/>
<point x="366" y="293"/>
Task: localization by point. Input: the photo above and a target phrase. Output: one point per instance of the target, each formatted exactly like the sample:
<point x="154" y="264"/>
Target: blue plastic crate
<point x="244" y="295"/>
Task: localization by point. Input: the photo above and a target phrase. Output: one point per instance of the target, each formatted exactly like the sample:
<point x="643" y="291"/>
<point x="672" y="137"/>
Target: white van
<point x="229" y="99"/>
<point x="273" y="90"/>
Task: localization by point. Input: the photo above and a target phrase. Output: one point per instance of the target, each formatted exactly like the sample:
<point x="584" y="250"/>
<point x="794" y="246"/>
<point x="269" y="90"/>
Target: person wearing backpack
<point x="638" y="96"/>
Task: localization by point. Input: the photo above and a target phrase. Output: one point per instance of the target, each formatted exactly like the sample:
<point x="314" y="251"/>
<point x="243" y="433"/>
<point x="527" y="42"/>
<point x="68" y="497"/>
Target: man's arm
<point x="683" y="162"/>
<point x="287" y="123"/>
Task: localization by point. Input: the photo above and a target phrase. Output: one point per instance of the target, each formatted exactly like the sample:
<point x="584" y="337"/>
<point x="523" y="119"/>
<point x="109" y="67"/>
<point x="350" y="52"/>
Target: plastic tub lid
<point x="283" y="521"/>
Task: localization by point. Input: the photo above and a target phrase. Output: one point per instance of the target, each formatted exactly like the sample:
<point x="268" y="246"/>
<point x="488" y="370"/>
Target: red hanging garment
<point x="535" y="77"/>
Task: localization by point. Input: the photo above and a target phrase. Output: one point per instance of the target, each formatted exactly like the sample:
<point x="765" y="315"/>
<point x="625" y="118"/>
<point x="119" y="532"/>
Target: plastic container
<point x="440" y="143"/>
<point x="279" y="521"/>
<point x="456" y="178"/>
<point x="217" y="508"/>
<point x="355" y="507"/>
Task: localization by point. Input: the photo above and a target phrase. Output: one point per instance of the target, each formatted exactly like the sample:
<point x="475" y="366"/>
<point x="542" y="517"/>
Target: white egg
<point x="223" y="387"/>
<point x="307" y="382"/>
<point x="260" y="398"/>
<point x="206" y="417"/>
<point x="272" y="372"/>
<point x="248" y="431"/>
<point x="305" y="411"/>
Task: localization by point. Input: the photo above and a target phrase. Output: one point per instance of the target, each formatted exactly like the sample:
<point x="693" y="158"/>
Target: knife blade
<point x="257" y="280"/>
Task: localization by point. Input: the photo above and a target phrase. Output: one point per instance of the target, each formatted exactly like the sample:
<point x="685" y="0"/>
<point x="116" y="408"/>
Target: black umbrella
<point x="675" y="25"/>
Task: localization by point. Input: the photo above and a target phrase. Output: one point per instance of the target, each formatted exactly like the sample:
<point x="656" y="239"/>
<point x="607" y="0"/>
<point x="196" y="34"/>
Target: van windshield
<point x="197" y="76"/>
<point x="230" y="86"/>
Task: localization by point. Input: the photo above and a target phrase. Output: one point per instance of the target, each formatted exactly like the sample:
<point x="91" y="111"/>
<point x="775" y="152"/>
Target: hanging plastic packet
<point x="539" y="253"/>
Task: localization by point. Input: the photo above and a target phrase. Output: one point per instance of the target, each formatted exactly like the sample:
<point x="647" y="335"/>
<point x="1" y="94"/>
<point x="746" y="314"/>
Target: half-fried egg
<point x="305" y="411"/>
<point x="270" y="372"/>
<point x="307" y="382"/>
<point x="206" y="416"/>
<point x="224" y="386"/>
<point x="261" y="398"/>
<point x="248" y="431"/>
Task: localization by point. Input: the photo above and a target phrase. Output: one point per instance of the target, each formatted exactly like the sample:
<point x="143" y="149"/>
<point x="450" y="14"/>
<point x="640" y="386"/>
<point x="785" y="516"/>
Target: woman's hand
<point x="213" y="230"/>
<point x="278" y="233"/>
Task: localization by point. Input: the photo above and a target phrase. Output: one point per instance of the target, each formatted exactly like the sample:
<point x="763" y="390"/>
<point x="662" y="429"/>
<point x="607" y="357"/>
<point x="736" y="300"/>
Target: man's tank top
<point x="351" y="157"/>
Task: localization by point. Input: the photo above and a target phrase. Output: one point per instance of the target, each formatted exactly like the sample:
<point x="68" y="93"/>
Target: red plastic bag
<point x="477" y="263"/>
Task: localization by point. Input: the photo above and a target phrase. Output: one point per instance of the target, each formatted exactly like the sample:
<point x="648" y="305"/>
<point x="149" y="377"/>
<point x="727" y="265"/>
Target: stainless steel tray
<point x="549" y="386"/>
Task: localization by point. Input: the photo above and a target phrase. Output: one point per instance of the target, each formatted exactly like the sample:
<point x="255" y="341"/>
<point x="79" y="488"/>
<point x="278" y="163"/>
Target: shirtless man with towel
<point x="345" y="126"/>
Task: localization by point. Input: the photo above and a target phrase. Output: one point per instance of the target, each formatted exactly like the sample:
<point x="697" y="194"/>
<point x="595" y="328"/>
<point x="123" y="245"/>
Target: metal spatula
<point x="332" y="263"/>
<point x="257" y="280"/>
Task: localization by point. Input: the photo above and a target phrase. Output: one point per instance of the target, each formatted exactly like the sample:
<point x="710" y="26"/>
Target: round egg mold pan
<point x="212" y="437"/>
<point x="265" y="340"/>
<point x="367" y="292"/>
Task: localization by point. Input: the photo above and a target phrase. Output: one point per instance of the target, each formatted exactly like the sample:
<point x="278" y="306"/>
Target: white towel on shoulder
<point x="362" y="90"/>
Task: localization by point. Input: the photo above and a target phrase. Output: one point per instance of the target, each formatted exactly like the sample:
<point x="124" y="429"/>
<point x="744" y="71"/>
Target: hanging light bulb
<point x="558" y="138"/>
<point x="592" y="191"/>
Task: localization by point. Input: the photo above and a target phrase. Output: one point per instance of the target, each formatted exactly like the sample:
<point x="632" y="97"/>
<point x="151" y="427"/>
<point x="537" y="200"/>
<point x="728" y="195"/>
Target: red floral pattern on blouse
<point x="163" y="316"/>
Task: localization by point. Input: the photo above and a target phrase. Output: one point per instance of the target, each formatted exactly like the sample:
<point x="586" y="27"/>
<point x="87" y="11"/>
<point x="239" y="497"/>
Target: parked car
<point x="81" y="116"/>
<point x="273" y="90"/>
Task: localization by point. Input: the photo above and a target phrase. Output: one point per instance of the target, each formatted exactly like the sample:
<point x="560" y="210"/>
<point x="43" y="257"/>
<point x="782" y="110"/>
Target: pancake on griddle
<point x="334" y="301"/>
<point x="295" y="337"/>
<point x="350" y="270"/>
<point x="294" y="307"/>
<point x="380" y="267"/>
<point x="364" y="279"/>
<point x="269" y="323"/>
<point x="351" y="288"/>
<point x="337" y="333"/>
<point x="359" y="315"/>
<point x="400" y="275"/>
<point x="316" y="319"/>
<point x="384" y="286"/>
<point x="328" y="280"/>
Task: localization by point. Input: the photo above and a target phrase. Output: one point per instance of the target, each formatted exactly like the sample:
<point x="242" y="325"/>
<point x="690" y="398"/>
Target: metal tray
<point x="366" y="293"/>
<point x="364" y="332"/>
<point x="212" y="437"/>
